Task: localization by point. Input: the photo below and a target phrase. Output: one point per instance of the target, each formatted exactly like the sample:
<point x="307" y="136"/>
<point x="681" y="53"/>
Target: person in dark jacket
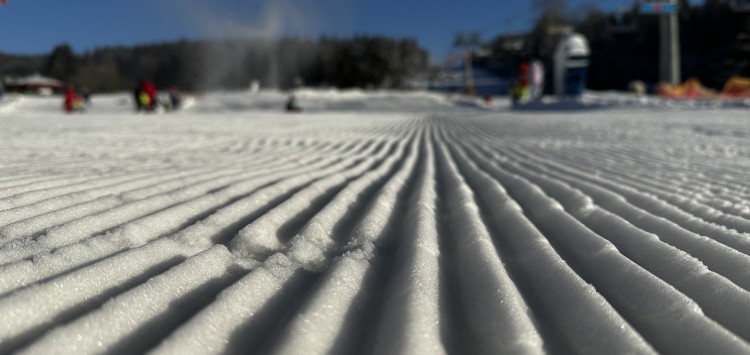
<point x="292" y="105"/>
<point x="175" y="99"/>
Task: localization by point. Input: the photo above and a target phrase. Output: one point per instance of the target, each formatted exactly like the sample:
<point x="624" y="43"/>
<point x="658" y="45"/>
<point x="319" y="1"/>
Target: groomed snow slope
<point x="381" y="223"/>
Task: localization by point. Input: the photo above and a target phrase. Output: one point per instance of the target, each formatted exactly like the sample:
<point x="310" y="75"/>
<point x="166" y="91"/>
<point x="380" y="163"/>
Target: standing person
<point x="174" y="98"/>
<point x="520" y="92"/>
<point x="537" y="80"/>
<point x="86" y="95"/>
<point x="292" y="105"/>
<point x="145" y="96"/>
<point x="524" y="80"/>
<point x="150" y="90"/>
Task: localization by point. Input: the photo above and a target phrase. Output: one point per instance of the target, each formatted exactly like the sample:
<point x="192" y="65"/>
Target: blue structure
<point x="658" y="8"/>
<point x="575" y="81"/>
<point x="571" y="65"/>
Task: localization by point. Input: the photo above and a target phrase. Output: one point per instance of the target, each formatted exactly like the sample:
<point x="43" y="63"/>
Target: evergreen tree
<point x="61" y="63"/>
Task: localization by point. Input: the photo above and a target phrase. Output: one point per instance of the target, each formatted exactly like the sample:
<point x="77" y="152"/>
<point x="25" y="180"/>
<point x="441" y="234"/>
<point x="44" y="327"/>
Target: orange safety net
<point x="735" y="87"/>
<point x="690" y="89"/>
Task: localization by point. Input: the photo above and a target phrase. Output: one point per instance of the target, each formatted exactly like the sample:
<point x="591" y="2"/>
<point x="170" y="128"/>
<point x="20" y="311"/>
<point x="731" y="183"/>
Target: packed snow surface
<point x="375" y="223"/>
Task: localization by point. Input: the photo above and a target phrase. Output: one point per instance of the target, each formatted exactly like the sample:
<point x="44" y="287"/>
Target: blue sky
<point x="36" y="26"/>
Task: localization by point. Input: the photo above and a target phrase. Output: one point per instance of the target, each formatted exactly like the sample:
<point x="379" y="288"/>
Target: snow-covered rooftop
<point x="35" y="79"/>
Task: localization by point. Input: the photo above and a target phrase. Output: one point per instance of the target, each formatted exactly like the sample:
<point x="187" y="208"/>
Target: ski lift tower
<point x="669" y="37"/>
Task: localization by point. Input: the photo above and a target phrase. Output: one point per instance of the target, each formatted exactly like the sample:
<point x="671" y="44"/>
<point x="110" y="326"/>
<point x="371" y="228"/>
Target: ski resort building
<point x="34" y="83"/>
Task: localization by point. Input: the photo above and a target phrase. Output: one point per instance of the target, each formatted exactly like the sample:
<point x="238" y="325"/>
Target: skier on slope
<point x="175" y="99"/>
<point x="292" y="105"/>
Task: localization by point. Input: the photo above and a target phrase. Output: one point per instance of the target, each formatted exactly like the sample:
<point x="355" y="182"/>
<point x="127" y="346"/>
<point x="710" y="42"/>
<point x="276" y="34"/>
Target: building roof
<point x="34" y="80"/>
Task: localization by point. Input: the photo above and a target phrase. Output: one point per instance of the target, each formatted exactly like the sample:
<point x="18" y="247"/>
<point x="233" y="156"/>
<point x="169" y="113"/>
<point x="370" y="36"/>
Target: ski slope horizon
<point x="375" y="223"/>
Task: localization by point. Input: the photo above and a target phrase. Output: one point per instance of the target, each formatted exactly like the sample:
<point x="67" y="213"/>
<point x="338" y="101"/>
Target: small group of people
<point x="147" y="99"/>
<point x="75" y="101"/>
<point x="529" y="86"/>
<point x="145" y="96"/>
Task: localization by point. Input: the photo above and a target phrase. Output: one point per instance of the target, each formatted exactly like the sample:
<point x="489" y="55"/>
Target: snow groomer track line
<point x="373" y="224"/>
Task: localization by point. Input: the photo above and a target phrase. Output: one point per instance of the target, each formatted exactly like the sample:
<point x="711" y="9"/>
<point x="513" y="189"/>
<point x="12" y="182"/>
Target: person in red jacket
<point x="150" y="89"/>
<point x="72" y="102"/>
<point x="145" y="96"/>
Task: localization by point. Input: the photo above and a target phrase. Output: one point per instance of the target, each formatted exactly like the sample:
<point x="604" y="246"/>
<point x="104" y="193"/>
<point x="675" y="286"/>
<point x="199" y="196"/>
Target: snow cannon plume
<point x="245" y="36"/>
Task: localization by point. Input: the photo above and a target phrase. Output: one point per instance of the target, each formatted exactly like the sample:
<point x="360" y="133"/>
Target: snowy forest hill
<point x="362" y="61"/>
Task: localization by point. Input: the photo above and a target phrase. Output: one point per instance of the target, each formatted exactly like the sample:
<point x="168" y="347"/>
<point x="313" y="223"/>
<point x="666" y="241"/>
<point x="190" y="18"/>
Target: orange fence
<point x="735" y="87"/>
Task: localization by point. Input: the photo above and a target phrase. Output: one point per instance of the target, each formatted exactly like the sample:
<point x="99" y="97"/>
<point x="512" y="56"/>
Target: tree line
<point x="361" y="61"/>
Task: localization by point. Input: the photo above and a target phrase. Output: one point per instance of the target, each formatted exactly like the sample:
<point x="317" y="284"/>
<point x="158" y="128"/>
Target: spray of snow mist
<point x="250" y="31"/>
